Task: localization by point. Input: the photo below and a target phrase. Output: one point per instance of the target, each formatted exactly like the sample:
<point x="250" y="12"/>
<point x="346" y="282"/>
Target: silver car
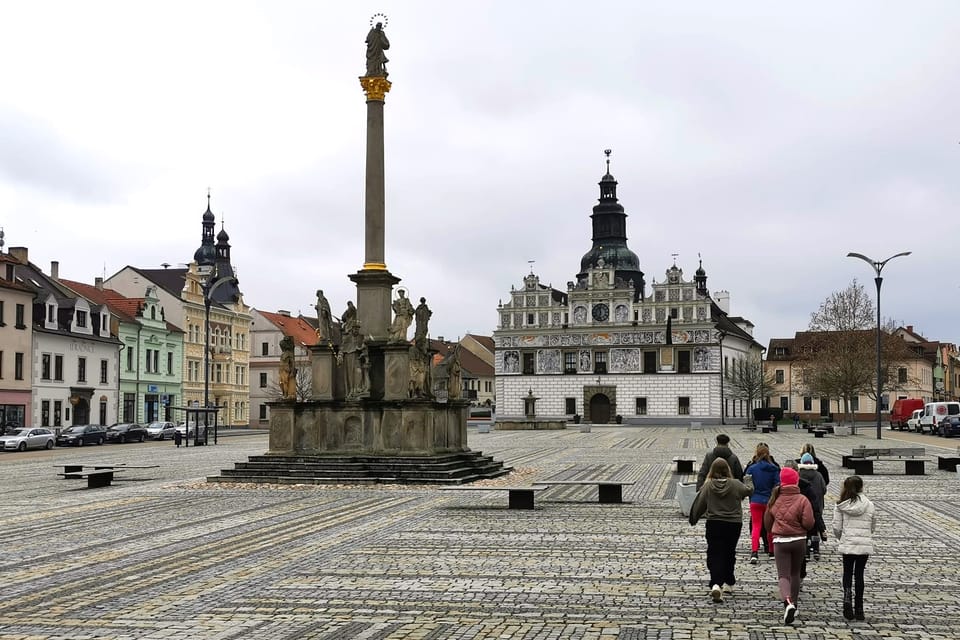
<point x="161" y="430"/>
<point x="27" y="438"/>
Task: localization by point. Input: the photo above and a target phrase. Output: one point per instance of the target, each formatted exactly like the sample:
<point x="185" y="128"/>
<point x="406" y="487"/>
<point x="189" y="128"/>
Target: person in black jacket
<point x="722" y="450"/>
<point x="822" y="468"/>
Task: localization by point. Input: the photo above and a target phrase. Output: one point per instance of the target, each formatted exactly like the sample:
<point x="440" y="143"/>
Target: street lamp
<point x="721" y="336"/>
<point x="878" y="267"/>
<point x="209" y="284"/>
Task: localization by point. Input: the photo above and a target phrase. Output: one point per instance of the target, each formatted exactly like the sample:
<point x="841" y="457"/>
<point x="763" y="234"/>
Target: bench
<point x="96" y="478"/>
<point x="948" y="463"/>
<point x="519" y="497"/>
<point x="611" y="491"/>
<point x="861" y="459"/>
<point x="818" y="433"/>
<point x="684" y="465"/>
<point x="75" y="468"/>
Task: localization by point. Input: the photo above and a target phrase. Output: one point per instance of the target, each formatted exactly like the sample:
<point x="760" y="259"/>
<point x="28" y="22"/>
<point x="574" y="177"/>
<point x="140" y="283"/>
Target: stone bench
<point x="611" y="491"/>
<point x="518" y="497"/>
<point x="861" y="459"/>
<point x="948" y="463"/>
<point x="96" y="478"/>
<point x="684" y="465"/>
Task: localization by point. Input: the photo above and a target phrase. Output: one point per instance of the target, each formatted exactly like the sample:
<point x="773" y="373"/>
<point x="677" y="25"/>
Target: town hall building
<point x="612" y="348"/>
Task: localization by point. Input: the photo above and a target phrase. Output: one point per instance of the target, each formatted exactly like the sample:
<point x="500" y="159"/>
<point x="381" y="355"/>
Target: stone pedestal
<point x="374" y="293"/>
<point x="396" y="371"/>
<point x="324" y="372"/>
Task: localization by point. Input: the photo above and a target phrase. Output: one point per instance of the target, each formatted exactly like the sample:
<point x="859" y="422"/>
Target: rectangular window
<point x="807" y="403"/>
<point x="570" y="362"/>
<point x="570" y="406"/>
<point x="81" y="318"/>
<point x="263" y="381"/>
<point x="674" y="312"/>
<point x="683" y="361"/>
<point x="2" y="323"/>
<point x="20" y="317"/>
<point x="779" y="376"/>
<point x="58" y="368"/>
<point x="599" y="361"/>
<point x="103" y="412"/>
<point x="264" y="348"/>
<point x="649" y="361"/>
<point x="129" y="406"/>
<point x="103" y="372"/>
<point x="156" y="360"/>
<point x="263" y="412"/>
<point x="641" y="406"/>
<point x="683" y="405"/>
<point x="528" y="363"/>
<point x="169" y="363"/>
<point x="81" y="369"/>
<point x="45" y="413"/>
<point x="785" y="403"/>
<point x="1" y="365"/>
<point x="855" y="403"/>
<point x="51" y="313"/>
<point x="129" y="358"/>
<point x="218" y="373"/>
<point x="57" y="410"/>
<point x="18" y="366"/>
<point x="45" y="366"/>
<point x="901" y="375"/>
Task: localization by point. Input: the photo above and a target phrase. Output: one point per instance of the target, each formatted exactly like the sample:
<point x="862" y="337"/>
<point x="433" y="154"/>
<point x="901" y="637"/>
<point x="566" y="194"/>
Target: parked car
<point x="27" y="438"/>
<point x="902" y="411"/>
<point x="161" y="430"/>
<point x="950" y="426"/>
<point x="79" y="435"/>
<point x="126" y="432"/>
<point x="934" y="413"/>
<point x="914" y="421"/>
<point x="185" y="430"/>
<point x="8" y="426"/>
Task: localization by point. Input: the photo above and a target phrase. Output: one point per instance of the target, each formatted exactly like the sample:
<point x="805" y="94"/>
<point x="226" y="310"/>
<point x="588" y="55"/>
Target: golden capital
<point x="376" y="87"/>
<point x="374" y="266"/>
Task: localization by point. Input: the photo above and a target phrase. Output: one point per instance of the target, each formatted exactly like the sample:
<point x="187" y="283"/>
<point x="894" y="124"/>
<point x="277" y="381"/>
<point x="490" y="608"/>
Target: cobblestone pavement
<point x="163" y="555"/>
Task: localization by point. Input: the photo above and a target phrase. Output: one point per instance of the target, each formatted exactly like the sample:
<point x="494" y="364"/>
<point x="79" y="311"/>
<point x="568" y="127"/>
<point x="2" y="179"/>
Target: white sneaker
<point x="716" y="593"/>
<point x="727" y="588"/>
<point x="789" y="612"/>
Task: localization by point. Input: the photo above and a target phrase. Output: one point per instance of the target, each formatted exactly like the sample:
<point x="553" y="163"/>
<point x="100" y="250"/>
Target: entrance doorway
<point x="600" y="409"/>
<point x="81" y="412"/>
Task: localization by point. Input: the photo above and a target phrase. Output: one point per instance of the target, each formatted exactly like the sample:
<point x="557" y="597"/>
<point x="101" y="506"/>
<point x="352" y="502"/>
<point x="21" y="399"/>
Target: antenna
<point x="531" y="263"/>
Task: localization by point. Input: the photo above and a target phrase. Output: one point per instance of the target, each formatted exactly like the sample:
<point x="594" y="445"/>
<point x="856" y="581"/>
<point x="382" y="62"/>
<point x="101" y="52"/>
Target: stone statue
<point x="324" y="320"/>
<point x="288" y="370"/>
<point x="422" y="314"/>
<point x="403" y="316"/>
<point x="353" y="349"/>
<point x="454" y="382"/>
<point x="420" y="371"/>
<point x="348" y="318"/>
<point x="377" y="43"/>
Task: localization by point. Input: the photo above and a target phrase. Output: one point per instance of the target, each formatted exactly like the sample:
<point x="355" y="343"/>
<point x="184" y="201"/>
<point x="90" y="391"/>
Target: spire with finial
<point x="206" y="255"/>
<point x="700" y="277"/>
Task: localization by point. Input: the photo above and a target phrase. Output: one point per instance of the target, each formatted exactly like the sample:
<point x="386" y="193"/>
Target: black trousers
<point x="853" y="573"/>
<point x="722" y="538"/>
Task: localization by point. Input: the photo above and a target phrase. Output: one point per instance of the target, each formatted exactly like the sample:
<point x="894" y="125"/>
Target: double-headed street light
<point x="209" y="284"/>
<point x="878" y="267"/>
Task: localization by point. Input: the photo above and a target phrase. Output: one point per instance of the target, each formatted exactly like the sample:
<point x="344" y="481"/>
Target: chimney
<point x="722" y="298"/>
<point x="54" y="269"/>
<point x="19" y="254"/>
<point x="283" y="312"/>
<point x="98" y="283"/>
<point x="440" y="338"/>
<point x="910" y="329"/>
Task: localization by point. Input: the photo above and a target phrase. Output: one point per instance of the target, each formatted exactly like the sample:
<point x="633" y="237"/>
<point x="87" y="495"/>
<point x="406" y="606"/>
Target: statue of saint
<point x="353" y="350"/>
<point x="422" y="314"/>
<point x="377" y="43"/>
<point x="454" y="382"/>
<point x="324" y="320"/>
<point x="288" y="370"/>
<point x="403" y="316"/>
<point x="348" y="318"/>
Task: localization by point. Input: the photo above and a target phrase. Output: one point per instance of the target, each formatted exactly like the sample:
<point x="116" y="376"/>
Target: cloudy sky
<point x="770" y="138"/>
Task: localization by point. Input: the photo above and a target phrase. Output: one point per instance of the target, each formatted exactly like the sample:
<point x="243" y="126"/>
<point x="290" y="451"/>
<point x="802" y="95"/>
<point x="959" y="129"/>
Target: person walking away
<point x="722" y="450"/>
<point x="789" y="516"/>
<point x="822" y="468"/>
<point x="177" y="438"/>
<point x="766" y="476"/>
<point x="854" y="520"/>
<point x="817" y="492"/>
<point x="719" y="502"/>
<point x="796" y="421"/>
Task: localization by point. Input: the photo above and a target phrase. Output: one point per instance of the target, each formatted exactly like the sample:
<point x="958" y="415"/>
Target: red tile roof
<point x="109" y="297"/>
<point x="297" y="328"/>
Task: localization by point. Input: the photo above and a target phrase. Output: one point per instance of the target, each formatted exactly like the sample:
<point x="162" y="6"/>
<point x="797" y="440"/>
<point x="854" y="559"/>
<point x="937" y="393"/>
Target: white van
<point x="933" y="413"/>
<point x="914" y="420"/>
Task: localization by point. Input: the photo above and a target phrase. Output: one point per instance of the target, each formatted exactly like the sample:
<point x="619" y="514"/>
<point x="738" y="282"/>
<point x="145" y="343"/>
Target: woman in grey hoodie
<point x="854" y="520"/>
<point x="720" y="502"/>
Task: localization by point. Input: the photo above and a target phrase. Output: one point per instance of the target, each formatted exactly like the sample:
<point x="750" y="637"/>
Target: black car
<point x="949" y="426"/>
<point x="79" y="435"/>
<point x="126" y="432"/>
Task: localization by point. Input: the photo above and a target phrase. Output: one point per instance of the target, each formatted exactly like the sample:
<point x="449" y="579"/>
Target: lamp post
<point x="721" y="335"/>
<point x="878" y="267"/>
<point x="210" y="284"/>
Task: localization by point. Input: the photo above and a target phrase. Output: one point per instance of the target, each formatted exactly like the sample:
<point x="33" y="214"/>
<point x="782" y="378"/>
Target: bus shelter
<point x="204" y="423"/>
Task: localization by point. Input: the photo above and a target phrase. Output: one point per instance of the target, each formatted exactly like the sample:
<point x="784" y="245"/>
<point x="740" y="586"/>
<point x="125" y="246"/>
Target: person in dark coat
<point x="722" y="450"/>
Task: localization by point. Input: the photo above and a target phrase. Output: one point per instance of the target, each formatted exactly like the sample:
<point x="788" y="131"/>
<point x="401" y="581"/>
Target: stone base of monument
<point x="366" y="441"/>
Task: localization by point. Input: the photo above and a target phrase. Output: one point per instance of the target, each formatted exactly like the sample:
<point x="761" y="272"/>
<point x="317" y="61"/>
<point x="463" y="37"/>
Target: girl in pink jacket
<point x="789" y="517"/>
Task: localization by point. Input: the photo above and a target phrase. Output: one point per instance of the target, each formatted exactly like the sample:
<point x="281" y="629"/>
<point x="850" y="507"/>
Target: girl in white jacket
<point x="854" y="519"/>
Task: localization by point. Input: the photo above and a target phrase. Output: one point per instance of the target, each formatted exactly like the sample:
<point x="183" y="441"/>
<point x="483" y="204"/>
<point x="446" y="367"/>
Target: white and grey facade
<point x="608" y="347"/>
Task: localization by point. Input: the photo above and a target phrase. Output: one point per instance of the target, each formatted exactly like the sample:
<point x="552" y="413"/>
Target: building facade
<point x="16" y="340"/>
<point x="608" y="348"/>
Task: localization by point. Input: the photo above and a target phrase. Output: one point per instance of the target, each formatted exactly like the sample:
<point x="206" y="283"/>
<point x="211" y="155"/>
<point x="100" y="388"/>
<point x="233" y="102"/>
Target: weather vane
<point x="531" y="262"/>
<point x="607" y="153"/>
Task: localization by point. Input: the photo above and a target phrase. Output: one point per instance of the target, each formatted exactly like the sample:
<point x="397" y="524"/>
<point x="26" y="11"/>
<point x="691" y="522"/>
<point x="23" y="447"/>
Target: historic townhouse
<point x="267" y="330"/>
<point x="151" y="356"/>
<point x="182" y="294"/>
<point x="609" y="347"/>
<point x="16" y="338"/>
<point x="74" y="355"/>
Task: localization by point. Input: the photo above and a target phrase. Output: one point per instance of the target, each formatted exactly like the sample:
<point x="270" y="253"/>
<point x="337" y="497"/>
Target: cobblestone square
<point x="161" y="554"/>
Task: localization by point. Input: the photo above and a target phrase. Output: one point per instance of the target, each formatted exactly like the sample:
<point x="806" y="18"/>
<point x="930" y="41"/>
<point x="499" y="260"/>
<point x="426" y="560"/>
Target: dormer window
<point x="51" y="313"/>
<point x="780" y="351"/>
<point x="81" y="318"/>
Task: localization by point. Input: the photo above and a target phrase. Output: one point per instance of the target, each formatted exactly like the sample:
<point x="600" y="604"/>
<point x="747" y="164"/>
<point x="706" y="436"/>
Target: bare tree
<point x="747" y="381"/>
<point x="847" y="310"/>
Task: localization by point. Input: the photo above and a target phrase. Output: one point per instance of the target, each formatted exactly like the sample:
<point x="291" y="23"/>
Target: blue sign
<point x="152" y="388"/>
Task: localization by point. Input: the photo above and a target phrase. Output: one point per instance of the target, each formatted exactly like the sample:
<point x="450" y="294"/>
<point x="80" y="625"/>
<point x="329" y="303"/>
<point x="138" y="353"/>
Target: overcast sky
<point x="770" y="138"/>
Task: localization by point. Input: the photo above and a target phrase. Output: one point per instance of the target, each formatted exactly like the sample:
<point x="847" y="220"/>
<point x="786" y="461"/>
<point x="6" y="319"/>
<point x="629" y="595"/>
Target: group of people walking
<point x="786" y="519"/>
